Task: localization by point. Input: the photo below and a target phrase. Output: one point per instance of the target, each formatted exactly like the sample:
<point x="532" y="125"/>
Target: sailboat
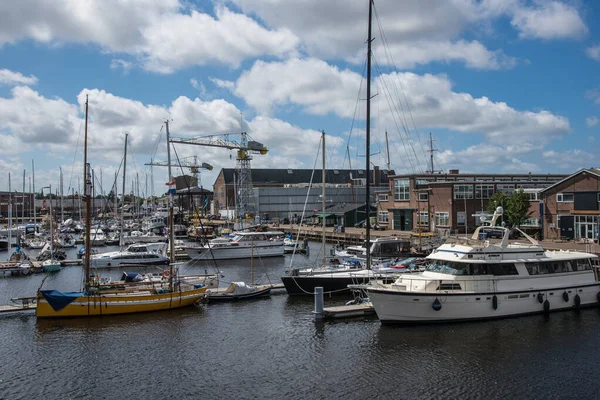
<point x="50" y="264"/>
<point x="336" y="281"/>
<point x="239" y="290"/>
<point x="97" y="300"/>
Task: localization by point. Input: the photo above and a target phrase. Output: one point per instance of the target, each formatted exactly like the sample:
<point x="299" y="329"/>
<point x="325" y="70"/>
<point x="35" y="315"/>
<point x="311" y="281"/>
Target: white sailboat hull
<point x="232" y="252"/>
<point x="398" y="306"/>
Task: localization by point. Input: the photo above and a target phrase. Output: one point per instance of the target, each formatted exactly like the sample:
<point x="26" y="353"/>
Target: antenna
<point x="431" y="151"/>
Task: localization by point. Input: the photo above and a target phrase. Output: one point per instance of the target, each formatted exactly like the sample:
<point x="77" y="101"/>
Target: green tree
<point x="518" y="208"/>
<point x="498" y="199"/>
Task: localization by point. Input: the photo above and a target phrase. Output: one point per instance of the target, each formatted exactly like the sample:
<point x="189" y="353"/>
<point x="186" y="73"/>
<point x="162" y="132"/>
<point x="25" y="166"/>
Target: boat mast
<point x="87" y="175"/>
<point x="171" y="235"/>
<point x="33" y="191"/>
<point x="368" y="144"/>
<point x="323" y="201"/>
<point x="51" y="227"/>
<point x="9" y="216"/>
<point x="123" y="205"/>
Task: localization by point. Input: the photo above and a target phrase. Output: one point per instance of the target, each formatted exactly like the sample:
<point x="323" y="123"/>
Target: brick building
<point x="571" y="206"/>
<point x="453" y="201"/>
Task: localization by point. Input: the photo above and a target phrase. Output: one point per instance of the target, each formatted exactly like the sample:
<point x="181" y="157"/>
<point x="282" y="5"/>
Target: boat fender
<point x="437" y="306"/>
<point x="495" y="302"/>
<point x="540" y="298"/>
<point x="577" y="301"/>
<point x="566" y="296"/>
<point x="546" y="306"/>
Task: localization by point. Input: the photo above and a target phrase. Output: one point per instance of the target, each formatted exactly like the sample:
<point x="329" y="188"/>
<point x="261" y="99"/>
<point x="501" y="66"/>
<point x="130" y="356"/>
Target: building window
<point x="461" y="216"/>
<point x="442" y="219"/>
<point x="423" y="196"/>
<point x="383" y="197"/>
<point x="423" y="217"/>
<point x="463" y="191"/>
<point x="505" y="188"/>
<point x="382" y="217"/>
<point x="484" y="191"/>
<point x="564" y="197"/>
<point x="401" y="190"/>
<point x="531" y="222"/>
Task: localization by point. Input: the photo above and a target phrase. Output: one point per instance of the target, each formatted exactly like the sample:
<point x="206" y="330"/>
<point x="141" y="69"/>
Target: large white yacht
<point x="135" y="254"/>
<point x="476" y="279"/>
<point x="241" y="245"/>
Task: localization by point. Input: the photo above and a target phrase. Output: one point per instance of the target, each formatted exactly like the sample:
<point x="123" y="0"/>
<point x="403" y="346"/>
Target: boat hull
<point x="331" y="284"/>
<point x="226" y="253"/>
<point x="118" y="303"/>
<point x="398" y="306"/>
<point x="218" y="298"/>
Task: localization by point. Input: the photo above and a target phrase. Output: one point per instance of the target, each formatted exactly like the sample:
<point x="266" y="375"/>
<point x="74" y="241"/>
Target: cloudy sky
<point x="502" y="85"/>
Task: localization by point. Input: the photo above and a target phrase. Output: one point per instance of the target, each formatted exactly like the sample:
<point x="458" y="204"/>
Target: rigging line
<point x="404" y="123"/>
<point x="75" y="155"/>
<point x="392" y="62"/>
<point x="354" y="117"/>
<point x="194" y="210"/>
<point x="404" y="145"/>
<point x="312" y="175"/>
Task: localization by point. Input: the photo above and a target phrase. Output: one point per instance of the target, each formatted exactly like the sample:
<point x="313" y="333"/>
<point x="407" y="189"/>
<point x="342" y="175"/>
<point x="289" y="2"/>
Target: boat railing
<point x="443" y="286"/>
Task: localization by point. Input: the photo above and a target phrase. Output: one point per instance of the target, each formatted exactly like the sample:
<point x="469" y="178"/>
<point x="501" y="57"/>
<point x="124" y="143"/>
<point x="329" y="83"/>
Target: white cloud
<point x="165" y="35"/>
<point x="594" y="95"/>
<point x="549" y="20"/>
<point x="117" y="63"/>
<point x="8" y="77"/>
<point x="486" y="157"/>
<point x="592" y="121"/>
<point x="570" y="160"/>
<point x="319" y="88"/>
<point x="593" y="52"/>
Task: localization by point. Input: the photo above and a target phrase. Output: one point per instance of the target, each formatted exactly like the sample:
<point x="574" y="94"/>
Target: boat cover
<point x="59" y="300"/>
<point x="239" y="288"/>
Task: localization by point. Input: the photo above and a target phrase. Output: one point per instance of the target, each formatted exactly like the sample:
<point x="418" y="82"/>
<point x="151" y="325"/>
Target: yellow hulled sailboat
<point x="98" y="300"/>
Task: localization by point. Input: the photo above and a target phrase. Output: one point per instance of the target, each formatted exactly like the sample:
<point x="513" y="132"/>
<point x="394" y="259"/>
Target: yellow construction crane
<point x="245" y="147"/>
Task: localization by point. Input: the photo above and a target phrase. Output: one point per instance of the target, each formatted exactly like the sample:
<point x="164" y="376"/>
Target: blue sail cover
<point x="59" y="300"/>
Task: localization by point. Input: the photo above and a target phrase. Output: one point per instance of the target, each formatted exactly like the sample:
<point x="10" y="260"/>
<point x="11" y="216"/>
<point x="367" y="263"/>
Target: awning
<point x="321" y="214"/>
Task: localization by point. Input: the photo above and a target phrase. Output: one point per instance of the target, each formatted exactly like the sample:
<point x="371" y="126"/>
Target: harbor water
<point x="273" y="348"/>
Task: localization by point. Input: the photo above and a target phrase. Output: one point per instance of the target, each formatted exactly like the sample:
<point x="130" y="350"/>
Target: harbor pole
<point x="318" y="303"/>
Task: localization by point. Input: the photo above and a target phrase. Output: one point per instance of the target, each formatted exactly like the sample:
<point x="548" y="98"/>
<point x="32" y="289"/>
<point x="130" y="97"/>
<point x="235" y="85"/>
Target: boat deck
<point x="349" y="311"/>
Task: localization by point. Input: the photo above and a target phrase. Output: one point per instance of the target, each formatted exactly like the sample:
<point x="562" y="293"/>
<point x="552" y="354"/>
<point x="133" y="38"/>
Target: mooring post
<point x="318" y="303"/>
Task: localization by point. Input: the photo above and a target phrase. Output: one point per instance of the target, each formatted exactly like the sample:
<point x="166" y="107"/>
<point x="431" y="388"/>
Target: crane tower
<point x="245" y="147"/>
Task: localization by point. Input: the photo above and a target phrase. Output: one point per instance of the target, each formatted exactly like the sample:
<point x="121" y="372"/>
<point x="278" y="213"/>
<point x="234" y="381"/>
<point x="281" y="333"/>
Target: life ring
<point x="166" y="274"/>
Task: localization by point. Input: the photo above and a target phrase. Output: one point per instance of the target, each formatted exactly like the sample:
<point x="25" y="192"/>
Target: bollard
<point x="318" y="303"/>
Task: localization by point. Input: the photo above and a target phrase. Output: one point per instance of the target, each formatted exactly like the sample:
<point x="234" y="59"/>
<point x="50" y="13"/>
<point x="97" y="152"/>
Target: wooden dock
<point x="27" y="303"/>
<point x="349" y="311"/>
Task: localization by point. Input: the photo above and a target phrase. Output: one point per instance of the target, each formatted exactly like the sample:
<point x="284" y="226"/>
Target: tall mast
<point x="171" y="235"/>
<point x="87" y="175"/>
<point x="62" y="210"/>
<point x="9" y="214"/>
<point x="123" y="205"/>
<point x="323" y="201"/>
<point x="387" y="148"/>
<point x="23" y="201"/>
<point x="431" y="151"/>
<point x="368" y="144"/>
<point x="33" y="191"/>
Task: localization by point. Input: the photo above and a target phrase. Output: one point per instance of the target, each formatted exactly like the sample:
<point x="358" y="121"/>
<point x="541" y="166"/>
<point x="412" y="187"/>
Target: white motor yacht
<point x="476" y="279"/>
<point x="135" y="254"/>
<point x="241" y="245"/>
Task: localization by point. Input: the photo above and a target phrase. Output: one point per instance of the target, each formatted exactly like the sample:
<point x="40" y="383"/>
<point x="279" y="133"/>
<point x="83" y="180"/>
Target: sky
<point x="502" y="86"/>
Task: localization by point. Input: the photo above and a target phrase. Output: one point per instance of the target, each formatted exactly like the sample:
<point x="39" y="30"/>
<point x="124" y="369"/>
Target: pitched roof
<point x="297" y="176"/>
<point x="593" y="171"/>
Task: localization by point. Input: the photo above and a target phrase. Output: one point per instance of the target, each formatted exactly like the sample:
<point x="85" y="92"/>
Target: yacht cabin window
<point x="458" y="268"/>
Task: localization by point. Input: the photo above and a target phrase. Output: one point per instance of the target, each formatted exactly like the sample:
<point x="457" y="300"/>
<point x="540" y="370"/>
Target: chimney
<point x="377" y="175"/>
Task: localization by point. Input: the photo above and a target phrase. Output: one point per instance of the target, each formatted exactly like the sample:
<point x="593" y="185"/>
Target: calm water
<point x="273" y="348"/>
